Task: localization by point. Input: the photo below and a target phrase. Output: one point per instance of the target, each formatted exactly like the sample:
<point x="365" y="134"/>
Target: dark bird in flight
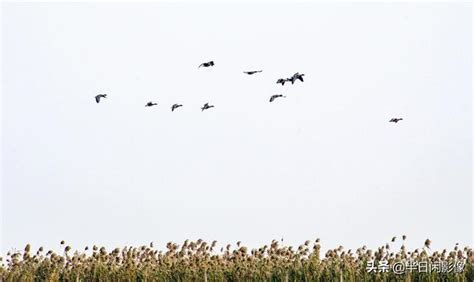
<point x="427" y="243"/>
<point x="395" y="120"/>
<point x="207" y="64"/>
<point x="282" y="81"/>
<point x="206" y="106"/>
<point x="150" y="104"/>
<point x="252" y="72"/>
<point x="276" y="96"/>
<point x="175" y="106"/>
<point x="97" y="98"/>
<point x="295" y="77"/>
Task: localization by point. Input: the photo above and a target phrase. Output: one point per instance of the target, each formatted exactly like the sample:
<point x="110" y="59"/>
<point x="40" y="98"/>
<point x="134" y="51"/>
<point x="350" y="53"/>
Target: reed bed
<point x="202" y="261"/>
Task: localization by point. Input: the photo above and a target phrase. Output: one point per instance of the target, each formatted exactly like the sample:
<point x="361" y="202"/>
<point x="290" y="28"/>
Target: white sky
<point x="324" y="162"/>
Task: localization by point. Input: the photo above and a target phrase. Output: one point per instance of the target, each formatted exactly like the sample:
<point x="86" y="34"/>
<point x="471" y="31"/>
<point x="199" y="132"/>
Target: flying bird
<point x="98" y="97"/>
<point x="296" y="76"/>
<point x="395" y="120"/>
<point x="252" y="72"/>
<point x="427" y="243"/>
<point x="207" y="64"/>
<point x="175" y="106"/>
<point x="282" y="81"/>
<point x="150" y="104"/>
<point x="206" y="106"/>
<point x="276" y="96"/>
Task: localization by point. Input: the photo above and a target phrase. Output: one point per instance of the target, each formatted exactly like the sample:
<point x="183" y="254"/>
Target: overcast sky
<point x="323" y="162"/>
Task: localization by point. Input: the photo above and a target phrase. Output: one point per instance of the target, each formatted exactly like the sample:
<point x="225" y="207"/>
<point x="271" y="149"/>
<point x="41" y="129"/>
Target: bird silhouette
<point x="175" y="106"/>
<point x="207" y="64"/>
<point x="282" y="81"/>
<point x="98" y="97"/>
<point x="206" y="106"/>
<point x="395" y="120"/>
<point x="150" y="104"/>
<point x="427" y="243"/>
<point x="276" y="96"/>
<point x="295" y="77"/>
<point x="252" y="72"/>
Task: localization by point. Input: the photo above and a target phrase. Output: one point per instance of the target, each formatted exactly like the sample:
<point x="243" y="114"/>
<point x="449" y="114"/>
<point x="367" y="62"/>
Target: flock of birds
<point x="206" y="106"/>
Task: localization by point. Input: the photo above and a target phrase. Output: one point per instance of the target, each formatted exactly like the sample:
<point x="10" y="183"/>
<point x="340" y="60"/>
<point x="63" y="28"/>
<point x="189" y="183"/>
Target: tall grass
<point x="201" y="261"/>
